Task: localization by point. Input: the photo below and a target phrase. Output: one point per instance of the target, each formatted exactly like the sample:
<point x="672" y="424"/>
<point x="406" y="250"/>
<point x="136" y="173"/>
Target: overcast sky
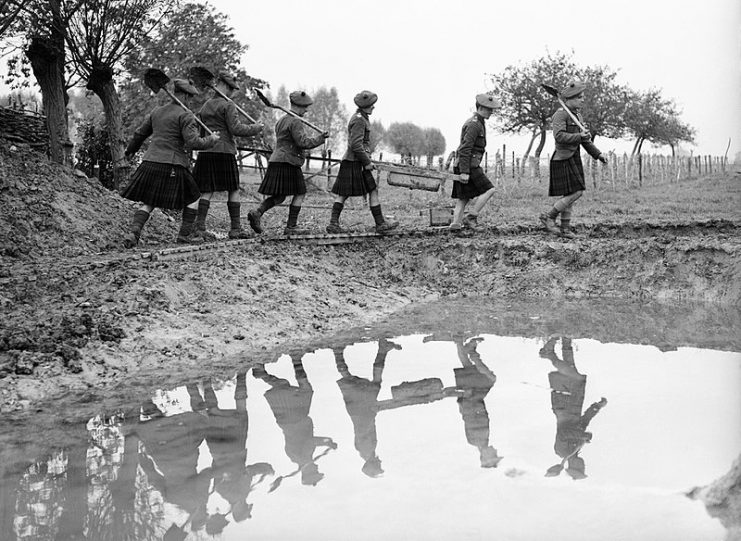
<point x="427" y="59"/>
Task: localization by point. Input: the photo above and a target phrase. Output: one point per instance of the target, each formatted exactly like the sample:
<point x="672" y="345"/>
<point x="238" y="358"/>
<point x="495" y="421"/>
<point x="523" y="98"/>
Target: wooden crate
<point x="441" y="216"/>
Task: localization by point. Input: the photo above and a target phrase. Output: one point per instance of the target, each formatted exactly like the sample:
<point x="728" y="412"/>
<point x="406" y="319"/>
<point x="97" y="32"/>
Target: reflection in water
<point x="361" y="400"/>
<point x="180" y="468"/>
<point x="567" y="399"/>
<point x="290" y="405"/>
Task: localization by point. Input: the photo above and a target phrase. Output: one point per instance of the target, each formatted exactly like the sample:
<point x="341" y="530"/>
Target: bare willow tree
<point x="651" y="117"/>
<point x="100" y="34"/>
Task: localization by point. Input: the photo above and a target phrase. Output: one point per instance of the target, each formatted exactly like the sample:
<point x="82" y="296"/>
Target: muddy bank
<point x="71" y="329"/>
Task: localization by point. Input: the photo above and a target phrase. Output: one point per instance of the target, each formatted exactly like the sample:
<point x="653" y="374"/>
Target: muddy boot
<point x="566" y="231"/>
<point x="239" y="234"/>
<point x="549" y="222"/>
<point x="235" y="219"/>
<point x="471" y="221"/>
<point x="455" y="227"/>
<point x="131" y="238"/>
<point x="253" y="217"/>
<point x="188" y="233"/>
<point x="291" y="231"/>
<point x="385" y="227"/>
<point x="334" y="220"/>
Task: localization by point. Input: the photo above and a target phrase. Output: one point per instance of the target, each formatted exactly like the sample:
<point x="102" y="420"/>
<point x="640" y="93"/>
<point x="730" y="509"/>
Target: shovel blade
<point x="155" y="79"/>
<point x="551" y="90"/>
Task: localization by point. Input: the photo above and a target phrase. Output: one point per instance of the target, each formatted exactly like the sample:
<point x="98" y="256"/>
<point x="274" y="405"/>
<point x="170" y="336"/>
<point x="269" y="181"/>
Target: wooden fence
<point x="621" y="170"/>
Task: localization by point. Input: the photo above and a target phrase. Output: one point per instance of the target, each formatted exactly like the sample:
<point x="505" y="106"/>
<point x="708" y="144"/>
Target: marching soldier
<point x="163" y="180"/>
<point x="473" y="181"/>
<point x="355" y="177"/>
<point x="284" y="176"/>
<point x="216" y="169"/>
<point x="566" y="171"/>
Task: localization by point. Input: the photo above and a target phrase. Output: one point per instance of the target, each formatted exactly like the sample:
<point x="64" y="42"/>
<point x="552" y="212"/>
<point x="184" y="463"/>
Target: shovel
<point x="156" y="80"/>
<point x="553" y="92"/>
<point x="202" y="77"/>
<point x="554" y="471"/>
<point x="266" y="101"/>
<point x="275" y="484"/>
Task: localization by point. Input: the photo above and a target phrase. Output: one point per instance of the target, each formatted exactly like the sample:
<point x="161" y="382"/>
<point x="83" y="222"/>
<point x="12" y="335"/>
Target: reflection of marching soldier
<point x="473" y="181"/>
<point x="566" y="171"/>
<point x="475" y="380"/>
<point x="163" y="180"/>
<point x="216" y="169"/>
<point x="171" y="459"/>
<point x="355" y="177"/>
<point x="361" y="401"/>
<point x="290" y="405"/>
<point x="567" y="399"/>
<point x="284" y="176"/>
<point x="226" y="436"/>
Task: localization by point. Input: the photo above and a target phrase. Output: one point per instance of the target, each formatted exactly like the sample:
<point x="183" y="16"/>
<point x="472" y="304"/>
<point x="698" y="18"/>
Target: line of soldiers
<point x="164" y="180"/>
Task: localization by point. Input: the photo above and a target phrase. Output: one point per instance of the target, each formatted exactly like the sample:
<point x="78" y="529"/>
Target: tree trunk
<point x="640" y="145"/>
<point x="541" y="144"/>
<point x="47" y="62"/>
<point x="529" y="148"/>
<point x="636" y="146"/>
<point x="101" y="83"/>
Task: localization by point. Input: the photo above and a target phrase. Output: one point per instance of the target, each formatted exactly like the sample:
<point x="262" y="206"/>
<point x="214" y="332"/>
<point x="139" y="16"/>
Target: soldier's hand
<point x="325" y="135"/>
<point x="213" y="138"/>
<point x="259" y="125"/>
<point x="464" y="177"/>
<point x="602" y="158"/>
<point x="369" y="167"/>
<point x="586" y="136"/>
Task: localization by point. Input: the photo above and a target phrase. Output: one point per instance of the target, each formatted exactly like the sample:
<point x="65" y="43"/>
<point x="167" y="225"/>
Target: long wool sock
<point x="269" y="203"/>
<point x="565" y="220"/>
<point x="234" y="214"/>
<point x="189" y="218"/>
<point x="336" y="211"/>
<point x="377" y="214"/>
<point x="203" y="206"/>
<point x="137" y="223"/>
<point x="293" y="215"/>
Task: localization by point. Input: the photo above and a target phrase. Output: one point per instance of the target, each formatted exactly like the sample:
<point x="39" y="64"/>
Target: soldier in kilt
<point x="284" y="176"/>
<point x="566" y="171"/>
<point x="216" y="169"/>
<point x="355" y="177"/>
<point x="163" y="180"/>
<point x="473" y="181"/>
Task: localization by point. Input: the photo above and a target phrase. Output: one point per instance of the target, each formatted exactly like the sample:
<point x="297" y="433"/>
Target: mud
<point x="80" y="313"/>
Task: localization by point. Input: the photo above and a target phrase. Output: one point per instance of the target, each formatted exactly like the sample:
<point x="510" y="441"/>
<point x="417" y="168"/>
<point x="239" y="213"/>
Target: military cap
<point x="490" y="102"/>
<point x="299" y="97"/>
<point x="366" y="98"/>
<point x="573" y="89"/>
<point x="230" y="81"/>
<point x="184" y="85"/>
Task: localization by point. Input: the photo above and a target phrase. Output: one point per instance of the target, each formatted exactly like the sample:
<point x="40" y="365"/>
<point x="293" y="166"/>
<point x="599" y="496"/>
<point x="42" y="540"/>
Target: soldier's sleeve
<point x="355" y="140"/>
<point x="140" y="135"/>
<point x="235" y="124"/>
<point x="591" y="149"/>
<point x="302" y="138"/>
<point x="560" y="133"/>
<point x="470" y="132"/>
<point x="189" y="129"/>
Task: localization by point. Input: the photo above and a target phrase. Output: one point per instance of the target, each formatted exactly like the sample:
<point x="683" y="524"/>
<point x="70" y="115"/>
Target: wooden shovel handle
<point x="181" y="104"/>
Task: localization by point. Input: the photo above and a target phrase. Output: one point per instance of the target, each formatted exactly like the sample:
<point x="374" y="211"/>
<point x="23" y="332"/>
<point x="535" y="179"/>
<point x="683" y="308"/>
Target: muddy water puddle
<point x="449" y="432"/>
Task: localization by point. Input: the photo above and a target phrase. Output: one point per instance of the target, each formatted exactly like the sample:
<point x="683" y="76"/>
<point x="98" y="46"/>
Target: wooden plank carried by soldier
<point x="414" y="178"/>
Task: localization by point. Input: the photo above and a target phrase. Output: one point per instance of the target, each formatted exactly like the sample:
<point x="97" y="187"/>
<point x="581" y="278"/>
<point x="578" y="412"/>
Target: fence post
<point x="329" y="168"/>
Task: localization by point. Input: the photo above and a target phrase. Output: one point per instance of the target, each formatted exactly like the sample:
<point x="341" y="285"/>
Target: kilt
<point x="282" y="178"/>
<point x="216" y="172"/>
<point x="477" y="184"/>
<point x="162" y="185"/>
<point x="353" y="180"/>
<point x="567" y="176"/>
